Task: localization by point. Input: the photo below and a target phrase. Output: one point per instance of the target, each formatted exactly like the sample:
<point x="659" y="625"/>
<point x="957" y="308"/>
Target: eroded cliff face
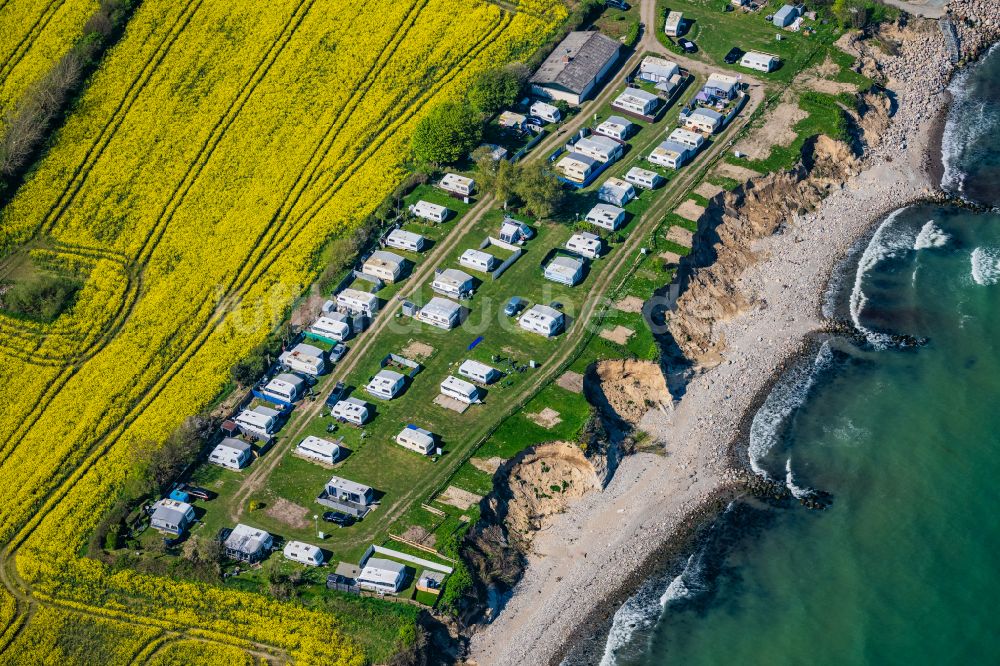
<point x="725" y="243"/>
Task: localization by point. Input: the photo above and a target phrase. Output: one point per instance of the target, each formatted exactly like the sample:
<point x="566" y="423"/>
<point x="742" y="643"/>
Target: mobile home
<point x="615" y="127"/>
<point x="543" y="320"/>
<point x="576" y="167"/>
<point x="585" y="244"/>
<point x="606" y="216"/>
<point x="358" y="302"/>
<point x="303" y="553"/>
<point x="319" y="449"/>
<point x="456" y="184"/>
<point x="616" y="191"/>
<point x="721" y="85"/>
<point x="514" y="231"/>
<point x="643" y="178"/>
<point x="638" y="101"/>
<point x="248" y="544"/>
<point x="687" y="137"/>
<point x="598" y="147"/>
<point x="285" y="388"/>
<point x="441" y="312"/>
<point x="416" y="439"/>
<point x="671" y="154"/>
<point x="674" y="24"/>
<point x="352" y="410"/>
<point x="387" y="384"/>
<point x="172" y="517"/>
<point x="258" y="422"/>
<point x="460" y="390"/>
<point x="565" y="270"/>
<point x="382" y="576"/>
<point x="657" y="70"/>
<point x="478" y="260"/>
<point x="478" y="372"/>
<point x="512" y="120"/>
<point x="452" y="282"/>
<point x="304" y="358"/>
<point x="546" y="112"/>
<point x="703" y="120"/>
<point x="400" y="239"/>
<point x="785" y="16"/>
<point x="231" y="453"/>
<point x="348" y="496"/>
<point x="431" y="212"/>
<point x="332" y="328"/>
<point x="386" y="266"/>
<point x="762" y="62"/>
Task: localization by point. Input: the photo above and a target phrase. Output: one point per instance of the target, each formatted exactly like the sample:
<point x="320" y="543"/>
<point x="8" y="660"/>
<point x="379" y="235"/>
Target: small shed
<point x="785" y="16"/>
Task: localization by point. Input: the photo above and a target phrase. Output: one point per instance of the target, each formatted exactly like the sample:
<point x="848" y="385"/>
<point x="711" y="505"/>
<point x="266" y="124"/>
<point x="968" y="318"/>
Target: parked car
<point x="514" y="305"/>
<point x="618" y="4"/>
<point x="336" y="395"/>
<point x="556" y="305"/>
<point x="338" y="518"/>
<point x="337" y="352"/>
<point x="734" y="55"/>
<point x="688" y="46"/>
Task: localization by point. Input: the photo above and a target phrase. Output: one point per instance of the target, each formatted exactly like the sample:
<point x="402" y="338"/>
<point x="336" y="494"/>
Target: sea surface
<point x="901" y="427"/>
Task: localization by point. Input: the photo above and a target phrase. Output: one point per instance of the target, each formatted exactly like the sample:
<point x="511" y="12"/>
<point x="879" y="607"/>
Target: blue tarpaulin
<point x="476" y="342"/>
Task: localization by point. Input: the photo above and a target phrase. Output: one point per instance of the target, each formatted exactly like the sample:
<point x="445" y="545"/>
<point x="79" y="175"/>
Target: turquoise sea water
<point x="904" y="567"/>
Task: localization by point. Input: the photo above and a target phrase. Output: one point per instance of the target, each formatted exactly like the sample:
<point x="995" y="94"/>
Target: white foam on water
<point x="931" y="235"/>
<point x="788" y="394"/>
<point x="986" y="266"/>
<point x="643" y="609"/>
<point x="798" y="492"/>
<point x="968" y="121"/>
<point x="887" y="242"/>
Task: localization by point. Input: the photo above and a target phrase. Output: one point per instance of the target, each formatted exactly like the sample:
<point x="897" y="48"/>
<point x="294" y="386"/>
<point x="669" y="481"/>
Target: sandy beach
<point x="586" y="561"/>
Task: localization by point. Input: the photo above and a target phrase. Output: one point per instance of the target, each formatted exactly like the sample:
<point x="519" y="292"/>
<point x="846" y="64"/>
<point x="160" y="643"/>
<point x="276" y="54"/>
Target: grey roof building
<point x="573" y="69"/>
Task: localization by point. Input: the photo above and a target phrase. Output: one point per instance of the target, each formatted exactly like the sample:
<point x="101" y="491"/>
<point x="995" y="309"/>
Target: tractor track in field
<point x="22" y="48"/>
<point x="284" y="234"/>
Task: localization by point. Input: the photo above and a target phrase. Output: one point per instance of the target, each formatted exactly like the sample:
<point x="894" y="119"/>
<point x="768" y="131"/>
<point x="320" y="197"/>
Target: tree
<point x="494" y="89"/>
<point x="447" y="134"/>
<point x="498" y="177"/>
<point x="539" y="189"/>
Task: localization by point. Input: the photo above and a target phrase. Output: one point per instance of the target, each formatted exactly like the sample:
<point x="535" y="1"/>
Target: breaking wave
<point x="931" y="235"/>
<point x="788" y="395"/>
<point x="888" y="242"/>
<point x="969" y="120"/>
<point x="986" y="265"/>
<point x="797" y="491"/>
<point x="643" y="609"/>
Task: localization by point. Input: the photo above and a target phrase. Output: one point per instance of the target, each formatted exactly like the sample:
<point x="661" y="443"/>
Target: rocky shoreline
<point x="594" y="556"/>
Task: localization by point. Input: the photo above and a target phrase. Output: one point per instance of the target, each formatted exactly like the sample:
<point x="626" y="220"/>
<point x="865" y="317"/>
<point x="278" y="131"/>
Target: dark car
<point x="618" y="4"/>
<point x="733" y="56"/>
<point x="688" y="46"/>
<point x="336" y="394"/>
<point x="556" y="304"/>
<point x="337" y="352"/>
<point x="514" y="305"/>
<point x="338" y="518"/>
<point x="195" y="491"/>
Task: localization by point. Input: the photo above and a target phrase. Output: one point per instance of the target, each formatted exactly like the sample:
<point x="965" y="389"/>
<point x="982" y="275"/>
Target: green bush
<point x="43" y="297"/>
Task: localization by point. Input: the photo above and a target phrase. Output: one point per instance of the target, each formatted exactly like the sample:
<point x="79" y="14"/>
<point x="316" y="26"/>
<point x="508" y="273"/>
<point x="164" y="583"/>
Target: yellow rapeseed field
<point x="34" y="34"/>
<point x="215" y="150"/>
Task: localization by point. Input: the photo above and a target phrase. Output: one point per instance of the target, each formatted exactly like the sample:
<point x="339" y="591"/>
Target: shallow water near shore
<point x="904" y="432"/>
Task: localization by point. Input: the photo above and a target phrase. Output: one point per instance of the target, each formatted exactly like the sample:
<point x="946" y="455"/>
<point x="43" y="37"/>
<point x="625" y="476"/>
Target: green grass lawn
<point x="716" y="31"/>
